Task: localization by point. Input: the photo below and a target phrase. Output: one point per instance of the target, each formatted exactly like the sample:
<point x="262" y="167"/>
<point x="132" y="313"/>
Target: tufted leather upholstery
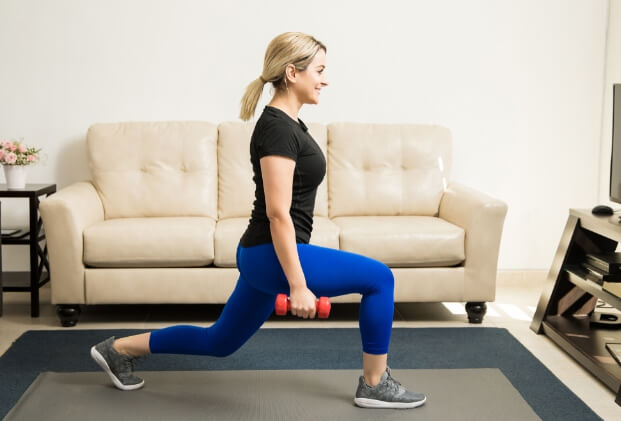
<point x="155" y="168"/>
<point x="168" y="201"/>
<point x="387" y="169"/>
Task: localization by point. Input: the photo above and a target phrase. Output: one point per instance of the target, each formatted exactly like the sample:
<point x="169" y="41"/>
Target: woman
<point x="274" y="255"/>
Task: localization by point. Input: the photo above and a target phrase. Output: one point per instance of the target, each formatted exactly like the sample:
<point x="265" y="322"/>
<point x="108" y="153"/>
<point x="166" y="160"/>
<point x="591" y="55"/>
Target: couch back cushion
<point x="235" y="187"/>
<point x="155" y="169"/>
<point x="387" y="169"/>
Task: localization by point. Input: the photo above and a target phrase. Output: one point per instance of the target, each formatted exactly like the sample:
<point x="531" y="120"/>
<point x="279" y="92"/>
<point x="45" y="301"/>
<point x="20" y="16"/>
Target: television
<point x="615" y="159"/>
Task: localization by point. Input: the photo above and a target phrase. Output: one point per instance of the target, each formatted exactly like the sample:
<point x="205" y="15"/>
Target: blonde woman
<point x="274" y="255"/>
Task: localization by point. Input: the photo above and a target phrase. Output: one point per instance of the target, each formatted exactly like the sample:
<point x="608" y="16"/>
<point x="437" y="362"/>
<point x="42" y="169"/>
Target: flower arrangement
<point x="14" y="152"/>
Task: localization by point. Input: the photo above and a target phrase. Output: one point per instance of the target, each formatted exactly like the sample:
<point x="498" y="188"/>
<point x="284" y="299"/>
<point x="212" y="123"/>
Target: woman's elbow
<point x="278" y="215"/>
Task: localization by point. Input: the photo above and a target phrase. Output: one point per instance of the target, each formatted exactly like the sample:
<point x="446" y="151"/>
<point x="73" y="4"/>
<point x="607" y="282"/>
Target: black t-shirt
<point x="276" y="133"/>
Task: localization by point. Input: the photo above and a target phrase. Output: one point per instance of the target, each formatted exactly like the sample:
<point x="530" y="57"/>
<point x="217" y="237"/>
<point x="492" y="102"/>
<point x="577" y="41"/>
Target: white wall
<point x="519" y="83"/>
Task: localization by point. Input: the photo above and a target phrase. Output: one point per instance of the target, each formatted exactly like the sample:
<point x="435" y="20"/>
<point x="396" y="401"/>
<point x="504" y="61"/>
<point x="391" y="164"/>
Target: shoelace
<point x="394" y="383"/>
<point x="394" y="380"/>
<point x="137" y="359"/>
<point x="129" y="361"/>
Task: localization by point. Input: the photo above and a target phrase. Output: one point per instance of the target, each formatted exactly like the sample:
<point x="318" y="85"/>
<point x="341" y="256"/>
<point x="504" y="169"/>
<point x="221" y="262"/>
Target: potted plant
<point x="15" y="157"/>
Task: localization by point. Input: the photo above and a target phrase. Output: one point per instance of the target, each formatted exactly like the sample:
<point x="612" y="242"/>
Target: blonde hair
<point x="288" y="48"/>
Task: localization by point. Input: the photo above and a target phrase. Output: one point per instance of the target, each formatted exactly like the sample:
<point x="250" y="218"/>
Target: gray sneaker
<point x="118" y="366"/>
<point x="388" y="393"/>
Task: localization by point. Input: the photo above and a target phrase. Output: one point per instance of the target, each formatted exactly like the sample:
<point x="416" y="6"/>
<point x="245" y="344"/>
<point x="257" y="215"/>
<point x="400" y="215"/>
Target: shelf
<point x="25" y="240"/>
<point x="20" y="281"/>
<point x="587" y="344"/>
<point x="31" y="190"/>
<point x="22" y="237"/>
<point x="19" y="234"/>
<point x="577" y="276"/>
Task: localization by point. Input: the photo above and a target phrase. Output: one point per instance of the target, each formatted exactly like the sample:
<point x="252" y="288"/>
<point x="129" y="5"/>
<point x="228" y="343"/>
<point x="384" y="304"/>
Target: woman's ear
<point x="290" y="71"/>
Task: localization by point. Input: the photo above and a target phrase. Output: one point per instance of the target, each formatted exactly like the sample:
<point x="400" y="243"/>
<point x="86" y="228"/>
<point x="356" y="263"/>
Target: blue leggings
<point x="328" y="272"/>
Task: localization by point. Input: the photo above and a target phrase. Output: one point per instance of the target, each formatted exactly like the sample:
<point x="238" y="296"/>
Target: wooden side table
<point x="569" y="296"/>
<point x="29" y="281"/>
<point x="0" y="260"/>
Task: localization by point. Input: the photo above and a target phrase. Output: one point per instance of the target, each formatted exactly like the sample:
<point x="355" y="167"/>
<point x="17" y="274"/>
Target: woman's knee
<point x="220" y="345"/>
<point x="388" y="278"/>
<point x="224" y="350"/>
<point x="382" y="277"/>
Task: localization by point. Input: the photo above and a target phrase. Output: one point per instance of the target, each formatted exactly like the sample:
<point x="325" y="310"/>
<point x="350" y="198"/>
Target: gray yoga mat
<point x="455" y="394"/>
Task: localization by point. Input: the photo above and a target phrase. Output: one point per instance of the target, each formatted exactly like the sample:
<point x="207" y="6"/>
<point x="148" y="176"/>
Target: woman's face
<point x="310" y="81"/>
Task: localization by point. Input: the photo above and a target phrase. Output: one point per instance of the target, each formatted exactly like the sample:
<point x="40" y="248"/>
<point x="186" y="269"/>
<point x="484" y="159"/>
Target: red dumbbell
<point x="283" y="305"/>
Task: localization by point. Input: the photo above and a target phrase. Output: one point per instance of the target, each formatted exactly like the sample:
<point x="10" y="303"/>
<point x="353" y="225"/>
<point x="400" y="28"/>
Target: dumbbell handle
<point x="283" y="305"/>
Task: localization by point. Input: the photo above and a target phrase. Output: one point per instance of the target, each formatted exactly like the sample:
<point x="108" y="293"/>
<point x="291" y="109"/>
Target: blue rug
<point x="308" y="348"/>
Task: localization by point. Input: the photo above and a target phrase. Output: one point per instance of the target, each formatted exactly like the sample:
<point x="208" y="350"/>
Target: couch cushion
<point x="387" y="169"/>
<point x="150" y="242"/>
<point x="403" y="241"/>
<point x="229" y="231"/>
<point x="236" y="187"/>
<point x="164" y="168"/>
<point x="226" y="237"/>
<point x="325" y="233"/>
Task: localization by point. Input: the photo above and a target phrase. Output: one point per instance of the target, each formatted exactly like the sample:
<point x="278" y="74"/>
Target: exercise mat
<point x="452" y="394"/>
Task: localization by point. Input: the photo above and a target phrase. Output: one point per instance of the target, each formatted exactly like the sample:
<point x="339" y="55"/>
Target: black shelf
<point x="577" y="276"/>
<point x="587" y="344"/>
<point x="20" y="281"/>
<point x="25" y="240"/>
<point x="22" y="237"/>
<point x="32" y="236"/>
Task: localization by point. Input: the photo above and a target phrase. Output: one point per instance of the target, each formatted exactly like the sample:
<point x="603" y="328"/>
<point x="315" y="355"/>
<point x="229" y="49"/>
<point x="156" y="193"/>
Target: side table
<point x="569" y="297"/>
<point x="29" y="281"/>
<point x="0" y="259"/>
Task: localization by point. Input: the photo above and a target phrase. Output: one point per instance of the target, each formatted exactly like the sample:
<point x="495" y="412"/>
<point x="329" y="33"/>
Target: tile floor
<point x="516" y="299"/>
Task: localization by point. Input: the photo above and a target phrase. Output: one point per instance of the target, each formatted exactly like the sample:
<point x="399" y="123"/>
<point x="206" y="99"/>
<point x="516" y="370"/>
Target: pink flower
<point x="7" y="145"/>
<point x="22" y="149"/>
<point x="31" y="158"/>
<point x="1" y="154"/>
<point x="10" y="158"/>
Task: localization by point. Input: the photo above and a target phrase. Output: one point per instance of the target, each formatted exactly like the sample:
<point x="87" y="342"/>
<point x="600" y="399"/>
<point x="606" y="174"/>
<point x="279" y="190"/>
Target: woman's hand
<point x="302" y="302"/>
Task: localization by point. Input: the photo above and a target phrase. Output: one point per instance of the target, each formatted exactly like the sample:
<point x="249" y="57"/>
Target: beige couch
<point x="168" y="201"/>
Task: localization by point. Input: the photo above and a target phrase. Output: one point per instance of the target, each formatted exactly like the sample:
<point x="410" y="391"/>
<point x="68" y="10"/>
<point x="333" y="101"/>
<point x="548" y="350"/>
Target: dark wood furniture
<point x="1" y="260"/>
<point x="36" y="277"/>
<point x="569" y="297"/>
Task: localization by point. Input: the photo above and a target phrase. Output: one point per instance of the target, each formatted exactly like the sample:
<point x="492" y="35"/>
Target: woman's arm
<point x="277" y="172"/>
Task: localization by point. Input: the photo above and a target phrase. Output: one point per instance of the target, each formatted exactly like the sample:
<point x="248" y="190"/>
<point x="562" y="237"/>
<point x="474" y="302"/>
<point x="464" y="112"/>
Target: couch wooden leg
<point x="68" y="314"/>
<point x="476" y="311"/>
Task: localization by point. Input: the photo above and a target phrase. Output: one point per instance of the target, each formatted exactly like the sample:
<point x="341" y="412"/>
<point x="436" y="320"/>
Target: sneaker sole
<point x="99" y="359"/>
<point x="374" y="403"/>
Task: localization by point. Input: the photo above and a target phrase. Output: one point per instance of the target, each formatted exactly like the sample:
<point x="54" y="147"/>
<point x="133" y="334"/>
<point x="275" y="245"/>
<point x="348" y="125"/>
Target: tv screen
<point x="615" y="160"/>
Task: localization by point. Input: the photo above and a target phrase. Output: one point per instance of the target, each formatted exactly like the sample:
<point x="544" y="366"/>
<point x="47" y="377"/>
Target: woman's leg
<point x="134" y="346"/>
<point x="244" y="313"/>
<point x="330" y="272"/>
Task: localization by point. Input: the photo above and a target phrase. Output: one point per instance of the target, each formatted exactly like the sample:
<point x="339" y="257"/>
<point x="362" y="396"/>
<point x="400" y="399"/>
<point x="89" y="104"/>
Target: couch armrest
<point x="65" y="214"/>
<point x="482" y="217"/>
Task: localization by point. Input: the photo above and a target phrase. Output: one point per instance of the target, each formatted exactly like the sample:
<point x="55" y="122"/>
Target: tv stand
<point x="568" y="298"/>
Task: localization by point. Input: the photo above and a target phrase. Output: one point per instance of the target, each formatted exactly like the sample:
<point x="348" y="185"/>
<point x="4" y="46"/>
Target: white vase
<point x="15" y="176"/>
